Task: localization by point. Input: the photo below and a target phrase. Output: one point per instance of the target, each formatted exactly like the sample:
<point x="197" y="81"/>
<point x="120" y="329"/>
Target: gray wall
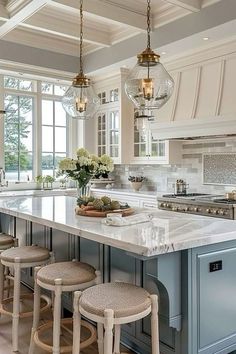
<point x="160" y="178"/>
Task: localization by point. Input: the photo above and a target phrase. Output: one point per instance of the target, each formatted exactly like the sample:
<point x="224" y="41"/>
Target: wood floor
<point x="24" y="337"/>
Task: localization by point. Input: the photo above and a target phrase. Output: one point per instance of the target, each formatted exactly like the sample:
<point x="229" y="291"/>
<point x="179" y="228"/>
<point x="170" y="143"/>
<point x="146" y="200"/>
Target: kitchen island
<point x="188" y="260"/>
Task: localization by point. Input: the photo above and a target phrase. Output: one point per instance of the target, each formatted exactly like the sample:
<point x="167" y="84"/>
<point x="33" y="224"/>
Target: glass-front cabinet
<point x="146" y="146"/>
<point x="149" y="149"/>
<point x="108" y="132"/>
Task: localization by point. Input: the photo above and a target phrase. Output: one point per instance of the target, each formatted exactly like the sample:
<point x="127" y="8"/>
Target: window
<point x="51" y="89"/>
<point x="22" y="152"/>
<point x="54" y="135"/>
<point x="18" y="137"/>
<point x="18" y="84"/>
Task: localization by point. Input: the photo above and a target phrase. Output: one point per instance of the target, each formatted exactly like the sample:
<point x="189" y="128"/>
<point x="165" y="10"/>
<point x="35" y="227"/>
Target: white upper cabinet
<point x="203" y="102"/>
<point x="114" y="119"/>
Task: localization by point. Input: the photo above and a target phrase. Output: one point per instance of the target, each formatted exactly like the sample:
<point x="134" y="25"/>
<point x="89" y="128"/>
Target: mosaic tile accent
<point x="219" y="169"/>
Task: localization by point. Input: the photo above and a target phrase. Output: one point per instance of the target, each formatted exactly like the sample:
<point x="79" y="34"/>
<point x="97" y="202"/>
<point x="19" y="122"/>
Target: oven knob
<point x="195" y="209"/>
<point x="174" y="208"/>
<point x="208" y="210"/>
<point x="186" y="209"/>
<point x="222" y="212"/>
<point x="215" y="211"/>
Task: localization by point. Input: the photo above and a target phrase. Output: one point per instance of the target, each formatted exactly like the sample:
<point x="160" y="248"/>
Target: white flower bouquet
<point x="81" y="169"/>
<point x="105" y="166"/>
<point x="85" y="167"/>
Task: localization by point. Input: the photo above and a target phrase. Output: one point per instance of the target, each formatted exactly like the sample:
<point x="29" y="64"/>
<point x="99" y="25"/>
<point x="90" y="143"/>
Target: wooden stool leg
<point x="100" y="338"/>
<point x="36" y="314"/>
<point x="7" y="280"/>
<point x="76" y="323"/>
<point x="1" y="281"/>
<point x="108" y="326"/>
<point x="57" y="318"/>
<point x="117" y="340"/>
<point x="98" y="277"/>
<point x="16" y="307"/>
<point x="155" y="325"/>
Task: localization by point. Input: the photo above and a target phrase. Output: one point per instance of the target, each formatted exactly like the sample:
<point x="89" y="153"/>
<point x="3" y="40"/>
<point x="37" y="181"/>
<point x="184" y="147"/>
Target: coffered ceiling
<point x="54" y="25"/>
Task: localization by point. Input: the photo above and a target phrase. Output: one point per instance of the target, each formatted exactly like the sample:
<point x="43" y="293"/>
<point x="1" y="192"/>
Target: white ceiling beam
<point x="3" y="11"/>
<point x="109" y="11"/>
<point x="191" y="5"/>
<point x="48" y="24"/>
<point x="22" y="15"/>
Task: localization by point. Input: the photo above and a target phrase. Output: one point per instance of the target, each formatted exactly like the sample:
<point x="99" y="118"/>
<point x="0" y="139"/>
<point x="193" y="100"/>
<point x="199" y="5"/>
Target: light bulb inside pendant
<point x="81" y="105"/>
<point x="147" y="89"/>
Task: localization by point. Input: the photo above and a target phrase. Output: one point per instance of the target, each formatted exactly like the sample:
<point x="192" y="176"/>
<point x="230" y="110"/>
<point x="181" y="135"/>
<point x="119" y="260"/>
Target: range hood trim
<point x="215" y="127"/>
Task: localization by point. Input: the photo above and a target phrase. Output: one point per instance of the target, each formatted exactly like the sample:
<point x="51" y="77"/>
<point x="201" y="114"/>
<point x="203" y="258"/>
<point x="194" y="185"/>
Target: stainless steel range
<point x="200" y="204"/>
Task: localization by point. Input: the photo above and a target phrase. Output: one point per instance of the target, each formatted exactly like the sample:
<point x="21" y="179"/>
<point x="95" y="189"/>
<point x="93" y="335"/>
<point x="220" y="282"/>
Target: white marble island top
<point x="167" y="232"/>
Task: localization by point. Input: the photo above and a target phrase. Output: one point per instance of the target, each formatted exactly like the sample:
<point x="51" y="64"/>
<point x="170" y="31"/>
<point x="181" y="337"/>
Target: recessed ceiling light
<point x="163" y="53"/>
<point x="205" y="38"/>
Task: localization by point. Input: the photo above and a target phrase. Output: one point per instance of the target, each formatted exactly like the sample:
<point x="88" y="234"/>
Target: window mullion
<point x="2" y="156"/>
<point x="37" y="133"/>
<point x="19" y="138"/>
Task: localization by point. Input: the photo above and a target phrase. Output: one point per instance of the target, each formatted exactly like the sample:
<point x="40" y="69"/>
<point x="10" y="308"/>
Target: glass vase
<point x="83" y="191"/>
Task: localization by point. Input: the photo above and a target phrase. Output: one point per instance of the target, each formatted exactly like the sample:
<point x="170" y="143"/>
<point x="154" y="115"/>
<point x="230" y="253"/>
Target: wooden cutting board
<point x="103" y="214"/>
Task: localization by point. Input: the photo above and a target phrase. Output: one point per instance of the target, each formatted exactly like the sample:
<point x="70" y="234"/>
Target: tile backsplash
<point x="162" y="177"/>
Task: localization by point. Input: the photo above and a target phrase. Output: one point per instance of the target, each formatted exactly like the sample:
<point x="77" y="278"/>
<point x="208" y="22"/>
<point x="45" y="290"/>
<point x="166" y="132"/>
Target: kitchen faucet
<point x="3" y="182"/>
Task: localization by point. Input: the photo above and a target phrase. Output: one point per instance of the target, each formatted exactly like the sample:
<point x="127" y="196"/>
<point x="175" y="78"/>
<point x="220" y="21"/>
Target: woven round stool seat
<point x="70" y="273"/>
<point x="123" y="298"/>
<point x="6" y="239"/>
<point x="25" y="254"/>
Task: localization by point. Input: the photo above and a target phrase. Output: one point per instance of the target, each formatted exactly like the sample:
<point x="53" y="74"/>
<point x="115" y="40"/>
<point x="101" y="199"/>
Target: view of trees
<point x="16" y="130"/>
<point x="18" y="127"/>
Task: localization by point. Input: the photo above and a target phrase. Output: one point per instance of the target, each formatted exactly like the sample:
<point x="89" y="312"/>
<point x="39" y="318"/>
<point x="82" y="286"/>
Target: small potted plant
<point x="39" y="179"/>
<point x="136" y="182"/>
<point x="47" y="182"/>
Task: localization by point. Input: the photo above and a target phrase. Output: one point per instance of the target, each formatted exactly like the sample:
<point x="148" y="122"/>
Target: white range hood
<point x="204" y="100"/>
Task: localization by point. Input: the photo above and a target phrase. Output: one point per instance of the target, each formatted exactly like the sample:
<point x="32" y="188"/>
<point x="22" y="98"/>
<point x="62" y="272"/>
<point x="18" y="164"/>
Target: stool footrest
<point x="4" y="311"/>
<point x="68" y="348"/>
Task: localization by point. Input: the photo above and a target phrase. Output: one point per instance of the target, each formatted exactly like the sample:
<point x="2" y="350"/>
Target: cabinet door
<point x="113" y="133"/>
<point x="157" y="148"/>
<point x="148" y="204"/>
<point x="101" y="134"/>
<point x="140" y="144"/>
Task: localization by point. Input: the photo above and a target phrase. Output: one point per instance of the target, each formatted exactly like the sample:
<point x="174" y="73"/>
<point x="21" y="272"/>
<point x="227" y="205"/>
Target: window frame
<point x="37" y="97"/>
<point x="54" y="98"/>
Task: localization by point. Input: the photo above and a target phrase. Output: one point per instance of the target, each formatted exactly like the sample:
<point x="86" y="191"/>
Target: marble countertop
<point x="167" y="232"/>
<point x="37" y="192"/>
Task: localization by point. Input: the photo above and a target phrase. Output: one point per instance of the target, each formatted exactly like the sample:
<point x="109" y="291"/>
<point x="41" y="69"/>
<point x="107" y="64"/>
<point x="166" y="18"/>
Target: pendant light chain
<point x="81" y="37"/>
<point x="148" y="24"/>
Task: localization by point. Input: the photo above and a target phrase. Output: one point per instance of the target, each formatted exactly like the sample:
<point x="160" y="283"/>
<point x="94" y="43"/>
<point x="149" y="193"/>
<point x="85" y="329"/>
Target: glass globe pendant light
<point x="149" y="86"/>
<point x="80" y="101"/>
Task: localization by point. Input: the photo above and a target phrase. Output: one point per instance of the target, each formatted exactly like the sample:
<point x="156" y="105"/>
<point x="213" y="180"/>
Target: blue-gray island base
<point x="189" y="261"/>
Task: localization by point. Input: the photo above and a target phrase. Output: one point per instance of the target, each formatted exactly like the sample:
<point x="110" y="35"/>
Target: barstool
<point x="111" y="305"/>
<point x="18" y="258"/>
<point x="7" y="241"/>
<point x="60" y="277"/>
